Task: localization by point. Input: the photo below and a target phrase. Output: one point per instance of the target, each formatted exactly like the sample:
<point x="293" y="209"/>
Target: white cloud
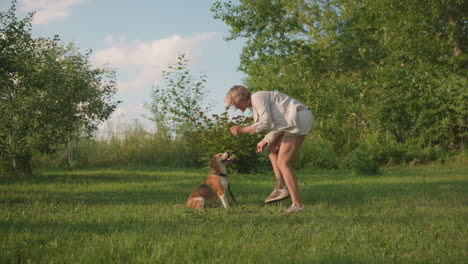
<point x="47" y="10"/>
<point x="124" y="116"/>
<point x="109" y="39"/>
<point x="143" y="62"/>
<point x="127" y="113"/>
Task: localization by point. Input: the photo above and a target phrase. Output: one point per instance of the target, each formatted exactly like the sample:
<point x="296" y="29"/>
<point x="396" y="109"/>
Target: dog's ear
<point x="214" y="164"/>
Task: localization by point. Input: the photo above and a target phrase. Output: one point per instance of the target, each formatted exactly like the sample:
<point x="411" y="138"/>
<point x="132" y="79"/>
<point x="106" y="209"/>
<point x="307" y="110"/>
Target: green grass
<point x="405" y="215"/>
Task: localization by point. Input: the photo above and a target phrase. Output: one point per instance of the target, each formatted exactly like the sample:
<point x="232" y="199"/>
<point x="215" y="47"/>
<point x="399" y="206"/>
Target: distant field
<point x="405" y="215"/>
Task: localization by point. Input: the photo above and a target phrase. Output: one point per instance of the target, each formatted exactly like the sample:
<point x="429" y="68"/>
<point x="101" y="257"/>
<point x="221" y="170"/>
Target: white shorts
<point x="305" y="123"/>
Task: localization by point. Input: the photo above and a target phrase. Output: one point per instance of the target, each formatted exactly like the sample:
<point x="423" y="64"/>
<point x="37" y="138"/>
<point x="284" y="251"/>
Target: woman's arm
<point x="236" y="130"/>
<point x="261" y="109"/>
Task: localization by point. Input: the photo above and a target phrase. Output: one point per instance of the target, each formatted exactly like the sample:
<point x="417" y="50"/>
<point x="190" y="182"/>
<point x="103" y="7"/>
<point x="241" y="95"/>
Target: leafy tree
<point x="47" y="92"/>
<point x="415" y="76"/>
<point x="213" y="136"/>
<point x="180" y="110"/>
<point x="175" y="104"/>
<point x="291" y="47"/>
<point x="364" y="67"/>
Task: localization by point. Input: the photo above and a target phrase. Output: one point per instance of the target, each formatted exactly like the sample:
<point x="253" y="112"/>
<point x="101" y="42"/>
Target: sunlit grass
<point x="405" y="215"/>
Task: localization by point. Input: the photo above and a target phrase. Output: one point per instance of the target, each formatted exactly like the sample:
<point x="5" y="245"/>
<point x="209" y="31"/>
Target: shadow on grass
<point x="113" y="197"/>
<point x="173" y="187"/>
<point x="177" y="222"/>
<point x="105" y="227"/>
<point x="102" y="176"/>
<point x="99" y="187"/>
<point x="349" y="193"/>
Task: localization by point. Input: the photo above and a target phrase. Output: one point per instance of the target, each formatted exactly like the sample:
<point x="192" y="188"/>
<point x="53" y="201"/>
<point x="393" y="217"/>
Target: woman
<point x="287" y="121"/>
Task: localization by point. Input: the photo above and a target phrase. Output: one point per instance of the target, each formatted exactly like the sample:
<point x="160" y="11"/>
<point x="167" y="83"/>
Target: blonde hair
<point x="237" y="94"/>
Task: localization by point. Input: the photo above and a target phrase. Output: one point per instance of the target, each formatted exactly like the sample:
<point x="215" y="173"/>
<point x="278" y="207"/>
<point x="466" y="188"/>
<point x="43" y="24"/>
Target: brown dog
<point x="215" y="185"/>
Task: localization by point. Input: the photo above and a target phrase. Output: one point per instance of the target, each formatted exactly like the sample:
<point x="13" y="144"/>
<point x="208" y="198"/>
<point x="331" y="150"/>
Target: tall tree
<point x="47" y="91"/>
<point x="176" y="103"/>
<point x="382" y="67"/>
<point x="417" y="74"/>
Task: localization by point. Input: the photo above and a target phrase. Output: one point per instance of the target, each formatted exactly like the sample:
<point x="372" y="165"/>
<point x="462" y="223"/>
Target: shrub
<point x="386" y="150"/>
<point x="361" y="161"/>
<point x="316" y="152"/>
<point x="433" y="154"/>
<point x="213" y="136"/>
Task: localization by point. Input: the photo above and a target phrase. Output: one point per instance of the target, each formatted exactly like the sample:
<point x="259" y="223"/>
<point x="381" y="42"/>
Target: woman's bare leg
<point x="278" y="176"/>
<point x="290" y="145"/>
<point x="273" y="155"/>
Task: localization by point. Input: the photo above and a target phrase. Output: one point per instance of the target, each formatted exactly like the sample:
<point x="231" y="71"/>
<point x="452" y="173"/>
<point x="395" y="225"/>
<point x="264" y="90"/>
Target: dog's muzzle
<point x="228" y="159"/>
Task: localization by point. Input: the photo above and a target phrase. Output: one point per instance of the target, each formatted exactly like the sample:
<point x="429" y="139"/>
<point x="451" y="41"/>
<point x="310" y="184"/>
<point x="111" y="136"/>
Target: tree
<point x="292" y="47"/>
<point x="180" y="113"/>
<point x="47" y="92"/>
<point x="176" y="104"/>
<point x="364" y="67"/>
<point x="416" y="70"/>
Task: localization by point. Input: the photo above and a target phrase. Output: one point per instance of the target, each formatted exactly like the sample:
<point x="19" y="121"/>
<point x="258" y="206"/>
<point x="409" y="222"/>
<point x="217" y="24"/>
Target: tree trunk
<point x="456" y="28"/>
<point x="73" y="151"/>
<point x="21" y="165"/>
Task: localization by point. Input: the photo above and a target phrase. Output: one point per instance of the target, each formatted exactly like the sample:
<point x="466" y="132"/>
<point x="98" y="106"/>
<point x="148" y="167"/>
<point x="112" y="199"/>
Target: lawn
<point x="404" y="215"/>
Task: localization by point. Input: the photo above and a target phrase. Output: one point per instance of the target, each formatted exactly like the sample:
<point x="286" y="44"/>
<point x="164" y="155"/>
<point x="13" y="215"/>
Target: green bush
<point x="361" y="161"/>
<point x="316" y="152"/>
<point x="133" y="146"/>
<point x="433" y="154"/>
<point x="213" y="136"/>
<point x="130" y="146"/>
<point x="387" y="151"/>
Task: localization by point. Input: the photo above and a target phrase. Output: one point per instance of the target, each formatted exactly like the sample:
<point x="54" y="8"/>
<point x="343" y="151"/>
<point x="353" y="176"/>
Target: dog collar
<point x="220" y="174"/>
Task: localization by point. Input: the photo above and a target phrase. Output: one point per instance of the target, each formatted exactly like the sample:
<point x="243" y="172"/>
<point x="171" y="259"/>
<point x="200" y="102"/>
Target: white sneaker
<point x="294" y="209"/>
<point x="277" y="195"/>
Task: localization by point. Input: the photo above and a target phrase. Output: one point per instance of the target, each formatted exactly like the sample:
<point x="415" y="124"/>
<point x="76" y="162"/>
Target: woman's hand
<point x="236" y="130"/>
<point x="261" y="145"/>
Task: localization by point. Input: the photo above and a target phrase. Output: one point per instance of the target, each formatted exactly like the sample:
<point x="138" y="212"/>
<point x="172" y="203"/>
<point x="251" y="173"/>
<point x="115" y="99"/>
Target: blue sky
<point x="140" y="38"/>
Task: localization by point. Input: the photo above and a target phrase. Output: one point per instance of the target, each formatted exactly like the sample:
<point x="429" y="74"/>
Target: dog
<point x="214" y="186"/>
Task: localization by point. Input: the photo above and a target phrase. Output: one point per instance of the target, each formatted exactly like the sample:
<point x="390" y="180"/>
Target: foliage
<point x="213" y="136"/>
<point x="387" y="151"/>
<point x="179" y="109"/>
<point x="364" y="67"/>
<point x="391" y="75"/>
<point x="317" y="152"/>
<point x="361" y="161"/>
<point x="48" y="91"/>
<point x="126" y="146"/>
<point x="174" y="105"/>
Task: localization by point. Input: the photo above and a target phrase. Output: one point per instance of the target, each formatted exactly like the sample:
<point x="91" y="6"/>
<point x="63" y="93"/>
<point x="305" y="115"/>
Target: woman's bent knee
<point x="282" y="165"/>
